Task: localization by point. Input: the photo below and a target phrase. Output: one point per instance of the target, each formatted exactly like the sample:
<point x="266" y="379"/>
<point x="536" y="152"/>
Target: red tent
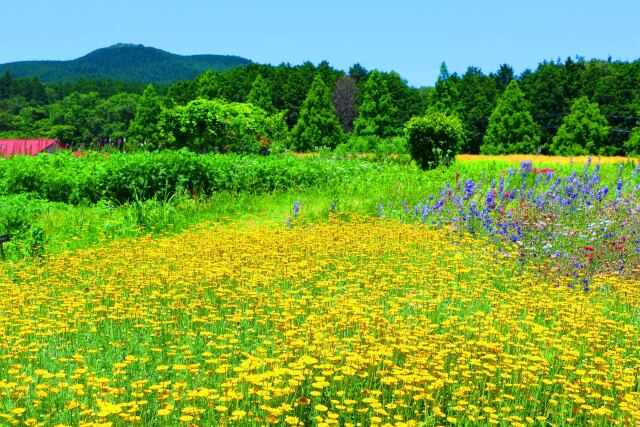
<point x="29" y="147"/>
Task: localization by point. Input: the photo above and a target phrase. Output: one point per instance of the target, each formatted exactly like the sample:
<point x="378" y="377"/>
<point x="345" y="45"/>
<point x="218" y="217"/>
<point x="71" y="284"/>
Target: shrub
<point x="434" y="139"/>
<point x="215" y="125"/>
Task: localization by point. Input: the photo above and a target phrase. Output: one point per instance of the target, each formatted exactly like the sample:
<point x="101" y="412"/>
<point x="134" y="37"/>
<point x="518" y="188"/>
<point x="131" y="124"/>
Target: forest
<point x="570" y="107"/>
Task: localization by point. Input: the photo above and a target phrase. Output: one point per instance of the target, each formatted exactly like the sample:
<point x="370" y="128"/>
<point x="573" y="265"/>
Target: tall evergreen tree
<point x="546" y="90"/>
<point x="359" y="73"/>
<point x="405" y="98"/>
<point x="208" y="85"/>
<point x="583" y="131"/>
<point x="511" y="128"/>
<point x="446" y="95"/>
<point x="477" y="100"/>
<point x="260" y="95"/>
<point x="144" y="126"/>
<point x="503" y="77"/>
<point x="377" y="111"/>
<point x="318" y="125"/>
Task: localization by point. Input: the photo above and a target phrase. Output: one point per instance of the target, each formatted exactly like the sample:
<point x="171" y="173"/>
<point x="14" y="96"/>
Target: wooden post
<point x="3" y="238"/>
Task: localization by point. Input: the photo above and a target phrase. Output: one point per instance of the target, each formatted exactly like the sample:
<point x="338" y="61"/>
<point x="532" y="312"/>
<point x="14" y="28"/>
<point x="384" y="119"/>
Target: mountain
<point x="125" y="62"/>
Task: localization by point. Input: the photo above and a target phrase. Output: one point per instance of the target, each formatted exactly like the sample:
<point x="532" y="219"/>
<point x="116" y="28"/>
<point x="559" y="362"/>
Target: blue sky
<point x="410" y="37"/>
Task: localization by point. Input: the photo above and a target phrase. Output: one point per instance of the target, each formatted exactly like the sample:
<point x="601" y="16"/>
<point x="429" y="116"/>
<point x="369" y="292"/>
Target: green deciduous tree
<point x="511" y="128"/>
<point x="74" y="120"/>
<point x="117" y="113"/>
<point x="377" y="111"/>
<point x="318" y="125"/>
<point x="434" y="139"/>
<point x="260" y="95"/>
<point x="583" y="131"/>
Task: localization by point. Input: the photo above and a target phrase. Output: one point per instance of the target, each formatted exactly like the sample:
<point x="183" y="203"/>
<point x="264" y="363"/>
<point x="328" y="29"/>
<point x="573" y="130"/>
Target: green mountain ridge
<point x="125" y="62"/>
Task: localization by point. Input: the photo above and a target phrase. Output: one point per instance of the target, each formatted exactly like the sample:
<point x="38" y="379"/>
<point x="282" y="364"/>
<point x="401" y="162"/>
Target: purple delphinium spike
<point x="469" y="187"/>
<point x="296" y="209"/>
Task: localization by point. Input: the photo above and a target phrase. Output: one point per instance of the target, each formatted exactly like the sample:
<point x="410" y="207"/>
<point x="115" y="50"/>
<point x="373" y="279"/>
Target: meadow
<point x="490" y="292"/>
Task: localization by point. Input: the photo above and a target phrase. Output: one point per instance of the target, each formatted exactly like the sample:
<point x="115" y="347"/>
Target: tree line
<point x="562" y="107"/>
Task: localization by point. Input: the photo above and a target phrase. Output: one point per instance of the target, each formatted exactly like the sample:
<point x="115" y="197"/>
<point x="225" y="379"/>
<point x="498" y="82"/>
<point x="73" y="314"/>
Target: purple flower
<point x="469" y="188"/>
<point x="296" y="209"/>
<point x="525" y="167"/>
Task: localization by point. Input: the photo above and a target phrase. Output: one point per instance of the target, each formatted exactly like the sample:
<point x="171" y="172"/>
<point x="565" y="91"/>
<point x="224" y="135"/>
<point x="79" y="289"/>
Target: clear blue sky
<point x="410" y="37"/>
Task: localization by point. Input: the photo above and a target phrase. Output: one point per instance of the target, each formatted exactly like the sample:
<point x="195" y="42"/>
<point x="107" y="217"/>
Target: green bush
<point x="218" y="126"/>
<point x="434" y="139"/>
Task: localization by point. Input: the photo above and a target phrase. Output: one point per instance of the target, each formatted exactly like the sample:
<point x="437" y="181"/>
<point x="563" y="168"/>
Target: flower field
<point x="349" y="321"/>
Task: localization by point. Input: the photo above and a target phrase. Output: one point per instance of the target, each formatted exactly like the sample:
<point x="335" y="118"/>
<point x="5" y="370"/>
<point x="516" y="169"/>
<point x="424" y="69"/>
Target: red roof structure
<point x="28" y="147"/>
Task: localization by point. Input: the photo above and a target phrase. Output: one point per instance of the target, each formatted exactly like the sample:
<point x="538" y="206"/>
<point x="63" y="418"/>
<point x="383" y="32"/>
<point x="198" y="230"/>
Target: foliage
<point x="260" y="95"/>
<point x="217" y="126"/>
<point x="446" y="92"/>
<point x="31" y="109"/>
<point x="123" y="177"/>
<point x="318" y="125"/>
<point x="144" y="126"/>
<point x="477" y="99"/>
<point x="511" y="128"/>
<point x="208" y="85"/>
<point x="583" y="131"/>
<point x="434" y="139"/>
<point x="632" y="146"/>
<point x="377" y="111"/>
<point x="74" y="120"/>
<point x="18" y="215"/>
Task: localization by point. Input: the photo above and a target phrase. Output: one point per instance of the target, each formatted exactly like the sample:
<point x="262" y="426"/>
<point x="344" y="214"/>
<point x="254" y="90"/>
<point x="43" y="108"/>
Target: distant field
<point x="540" y="159"/>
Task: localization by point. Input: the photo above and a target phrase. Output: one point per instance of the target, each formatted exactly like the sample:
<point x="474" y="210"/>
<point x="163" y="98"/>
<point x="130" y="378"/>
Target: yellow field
<point x="352" y="322"/>
<point x="540" y="159"/>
